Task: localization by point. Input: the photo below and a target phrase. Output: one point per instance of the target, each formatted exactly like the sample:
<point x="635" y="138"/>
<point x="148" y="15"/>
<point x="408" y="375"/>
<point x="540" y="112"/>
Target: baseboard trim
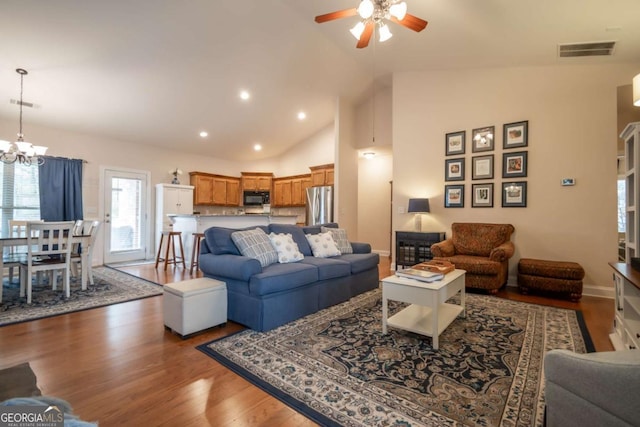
<point x="588" y="290"/>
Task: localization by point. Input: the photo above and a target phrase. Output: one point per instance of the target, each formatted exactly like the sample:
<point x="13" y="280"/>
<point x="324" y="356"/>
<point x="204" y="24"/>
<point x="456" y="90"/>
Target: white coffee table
<point x="428" y="313"/>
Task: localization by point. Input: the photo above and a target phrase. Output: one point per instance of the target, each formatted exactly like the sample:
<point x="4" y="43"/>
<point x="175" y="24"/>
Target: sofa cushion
<point x="329" y="268"/>
<point x="285" y="246"/>
<point x="282" y="277"/>
<point x="340" y="237"/>
<point x="479" y="239"/>
<point x="255" y="244"/>
<point x="219" y="240"/>
<point x="322" y="245"/>
<point x="361" y="262"/>
<point x="296" y="233"/>
<point x="315" y="229"/>
<point x="475" y="264"/>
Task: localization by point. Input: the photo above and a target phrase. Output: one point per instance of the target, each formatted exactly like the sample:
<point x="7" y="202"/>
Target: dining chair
<point x="17" y="228"/>
<point x="48" y="248"/>
<point x="90" y="228"/>
<point x="78" y="227"/>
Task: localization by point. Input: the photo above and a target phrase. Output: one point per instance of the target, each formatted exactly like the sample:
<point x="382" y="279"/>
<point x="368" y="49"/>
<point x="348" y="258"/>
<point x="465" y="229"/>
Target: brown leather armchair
<point x="483" y="250"/>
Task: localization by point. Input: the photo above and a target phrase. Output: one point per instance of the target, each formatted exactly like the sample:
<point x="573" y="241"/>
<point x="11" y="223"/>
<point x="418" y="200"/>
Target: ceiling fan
<point x="374" y="13"/>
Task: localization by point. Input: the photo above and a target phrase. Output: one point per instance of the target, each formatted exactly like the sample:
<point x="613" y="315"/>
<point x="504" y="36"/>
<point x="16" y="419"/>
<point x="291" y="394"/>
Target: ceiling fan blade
<point x="366" y="35"/>
<point x="411" y="22"/>
<point x="336" y="15"/>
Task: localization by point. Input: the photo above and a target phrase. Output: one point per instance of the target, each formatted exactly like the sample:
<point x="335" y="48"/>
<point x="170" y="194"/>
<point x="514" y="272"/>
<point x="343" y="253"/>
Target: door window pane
<point x="126" y="214"/>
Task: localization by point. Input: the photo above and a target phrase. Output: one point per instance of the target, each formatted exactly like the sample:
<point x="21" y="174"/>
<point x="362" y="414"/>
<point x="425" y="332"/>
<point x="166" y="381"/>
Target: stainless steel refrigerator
<point x="319" y="205"/>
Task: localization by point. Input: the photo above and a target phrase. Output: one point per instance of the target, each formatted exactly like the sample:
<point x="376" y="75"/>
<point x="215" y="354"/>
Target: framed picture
<point x="455" y="143"/>
<point x="514" y="164"/>
<point x="483" y="139"/>
<point x="482" y="195"/>
<point x="514" y="194"/>
<point x="454" y="169"/>
<point x="454" y="196"/>
<point x="515" y="135"/>
<point x="482" y="167"/>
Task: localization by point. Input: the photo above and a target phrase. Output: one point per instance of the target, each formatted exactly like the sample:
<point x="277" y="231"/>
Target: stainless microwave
<point x="255" y="198"/>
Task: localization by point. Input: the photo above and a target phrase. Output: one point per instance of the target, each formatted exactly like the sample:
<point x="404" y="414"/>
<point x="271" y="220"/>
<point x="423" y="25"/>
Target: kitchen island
<point x="189" y="224"/>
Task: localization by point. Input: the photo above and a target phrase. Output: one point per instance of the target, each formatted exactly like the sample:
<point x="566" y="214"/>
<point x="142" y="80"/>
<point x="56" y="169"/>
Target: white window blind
<point x="20" y="198"/>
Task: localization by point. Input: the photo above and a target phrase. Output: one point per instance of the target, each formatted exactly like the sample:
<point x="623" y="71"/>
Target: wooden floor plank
<point x="118" y="364"/>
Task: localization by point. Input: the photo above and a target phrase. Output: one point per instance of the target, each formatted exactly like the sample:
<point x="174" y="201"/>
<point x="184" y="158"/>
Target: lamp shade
<point x="418" y="205"/>
<point x="636" y="90"/>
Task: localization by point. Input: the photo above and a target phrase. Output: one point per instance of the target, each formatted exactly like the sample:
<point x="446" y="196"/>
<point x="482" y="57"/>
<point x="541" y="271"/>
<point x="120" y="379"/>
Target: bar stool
<point x="195" y="251"/>
<point x="171" y="246"/>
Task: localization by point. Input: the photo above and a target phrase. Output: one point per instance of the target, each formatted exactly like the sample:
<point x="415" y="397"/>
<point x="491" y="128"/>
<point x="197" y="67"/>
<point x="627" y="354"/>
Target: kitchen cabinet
<point x="322" y="175"/>
<point x="203" y="189"/>
<point x="171" y="199"/>
<point x="257" y="181"/>
<point x="299" y="187"/>
<point x="290" y="191"/>
<point x="215" y="190"/>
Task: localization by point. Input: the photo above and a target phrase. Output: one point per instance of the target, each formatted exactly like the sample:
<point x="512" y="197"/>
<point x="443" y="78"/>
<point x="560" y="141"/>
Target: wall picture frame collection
<point x="515" y="135"/>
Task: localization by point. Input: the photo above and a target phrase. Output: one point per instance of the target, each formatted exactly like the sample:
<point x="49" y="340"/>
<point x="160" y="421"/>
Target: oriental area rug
<point x="110" y="287"/>
<point x="338" y="369"/>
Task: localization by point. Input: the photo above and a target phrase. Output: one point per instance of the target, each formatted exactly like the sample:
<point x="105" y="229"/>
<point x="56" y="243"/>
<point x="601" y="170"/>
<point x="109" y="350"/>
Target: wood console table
<point x="414" y="247"/>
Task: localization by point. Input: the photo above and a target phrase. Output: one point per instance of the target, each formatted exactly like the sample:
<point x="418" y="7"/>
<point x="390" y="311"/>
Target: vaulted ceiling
<point x="160" y="71"/>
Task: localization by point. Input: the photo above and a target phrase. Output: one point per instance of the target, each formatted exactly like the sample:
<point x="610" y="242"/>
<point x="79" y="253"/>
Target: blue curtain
<point x="60" y="189"/>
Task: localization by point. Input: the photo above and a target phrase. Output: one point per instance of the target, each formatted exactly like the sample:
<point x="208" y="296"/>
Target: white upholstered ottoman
<point x="193" y="305"/>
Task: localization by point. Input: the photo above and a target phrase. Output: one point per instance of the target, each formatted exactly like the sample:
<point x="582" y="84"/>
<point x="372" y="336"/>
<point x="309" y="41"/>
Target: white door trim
<point x="149" y="253"/>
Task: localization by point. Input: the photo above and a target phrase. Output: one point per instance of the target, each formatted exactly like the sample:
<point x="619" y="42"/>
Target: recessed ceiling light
<point x="302" y="115"/>
<point x="244" y="95"/>
<point x="204" y="134"/>
<point x="257" y="147"/>
<point x="369" y="155"/>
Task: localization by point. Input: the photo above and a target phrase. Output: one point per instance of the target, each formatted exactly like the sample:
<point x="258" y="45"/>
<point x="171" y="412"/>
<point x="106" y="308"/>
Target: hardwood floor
<point x="119" y="366"/>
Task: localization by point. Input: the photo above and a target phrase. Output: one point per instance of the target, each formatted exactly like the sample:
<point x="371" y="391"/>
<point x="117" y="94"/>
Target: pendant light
<point x="21" y="151"/>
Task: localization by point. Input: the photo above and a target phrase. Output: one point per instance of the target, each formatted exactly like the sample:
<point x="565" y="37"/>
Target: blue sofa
<point x="265" y="298"/>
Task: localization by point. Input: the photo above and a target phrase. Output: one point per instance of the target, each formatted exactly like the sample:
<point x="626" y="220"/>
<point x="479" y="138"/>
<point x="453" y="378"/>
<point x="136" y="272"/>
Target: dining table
<point x="83" y="239"/>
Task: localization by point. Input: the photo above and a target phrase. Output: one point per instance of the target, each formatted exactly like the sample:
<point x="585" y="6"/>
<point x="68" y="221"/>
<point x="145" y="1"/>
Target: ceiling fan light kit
<point x="375" y="13"/>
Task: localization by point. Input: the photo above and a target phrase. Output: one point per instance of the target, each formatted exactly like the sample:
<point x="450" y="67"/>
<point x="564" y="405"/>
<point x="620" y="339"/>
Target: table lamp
<point x="418" y="207"/>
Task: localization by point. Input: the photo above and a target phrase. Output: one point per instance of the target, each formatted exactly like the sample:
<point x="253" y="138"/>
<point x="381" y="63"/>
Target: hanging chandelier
<point x="21" y="151"/>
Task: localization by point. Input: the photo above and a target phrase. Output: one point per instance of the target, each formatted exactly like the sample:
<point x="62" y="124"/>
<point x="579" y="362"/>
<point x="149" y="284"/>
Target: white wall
<point x="313" y="151"/>
<point x="346" y="170"/>
<point x="364" y="126"/>
<point x="572" y="133"/>
<point x="374" y="201"/>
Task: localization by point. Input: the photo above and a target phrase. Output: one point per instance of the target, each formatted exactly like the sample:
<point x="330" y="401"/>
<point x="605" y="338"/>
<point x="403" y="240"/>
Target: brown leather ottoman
<point x="550" y="276"/>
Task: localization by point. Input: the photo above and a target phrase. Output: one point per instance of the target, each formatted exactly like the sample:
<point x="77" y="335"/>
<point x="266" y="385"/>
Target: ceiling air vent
<point x="571" y="50"/>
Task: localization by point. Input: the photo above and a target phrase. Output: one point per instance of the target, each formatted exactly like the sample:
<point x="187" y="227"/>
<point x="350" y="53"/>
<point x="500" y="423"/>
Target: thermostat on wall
<point x="568" y="181"/>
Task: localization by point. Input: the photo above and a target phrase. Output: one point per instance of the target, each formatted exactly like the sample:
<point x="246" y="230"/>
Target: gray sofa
<point x="592" y="390"/>
<point x="263" y="298"/>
